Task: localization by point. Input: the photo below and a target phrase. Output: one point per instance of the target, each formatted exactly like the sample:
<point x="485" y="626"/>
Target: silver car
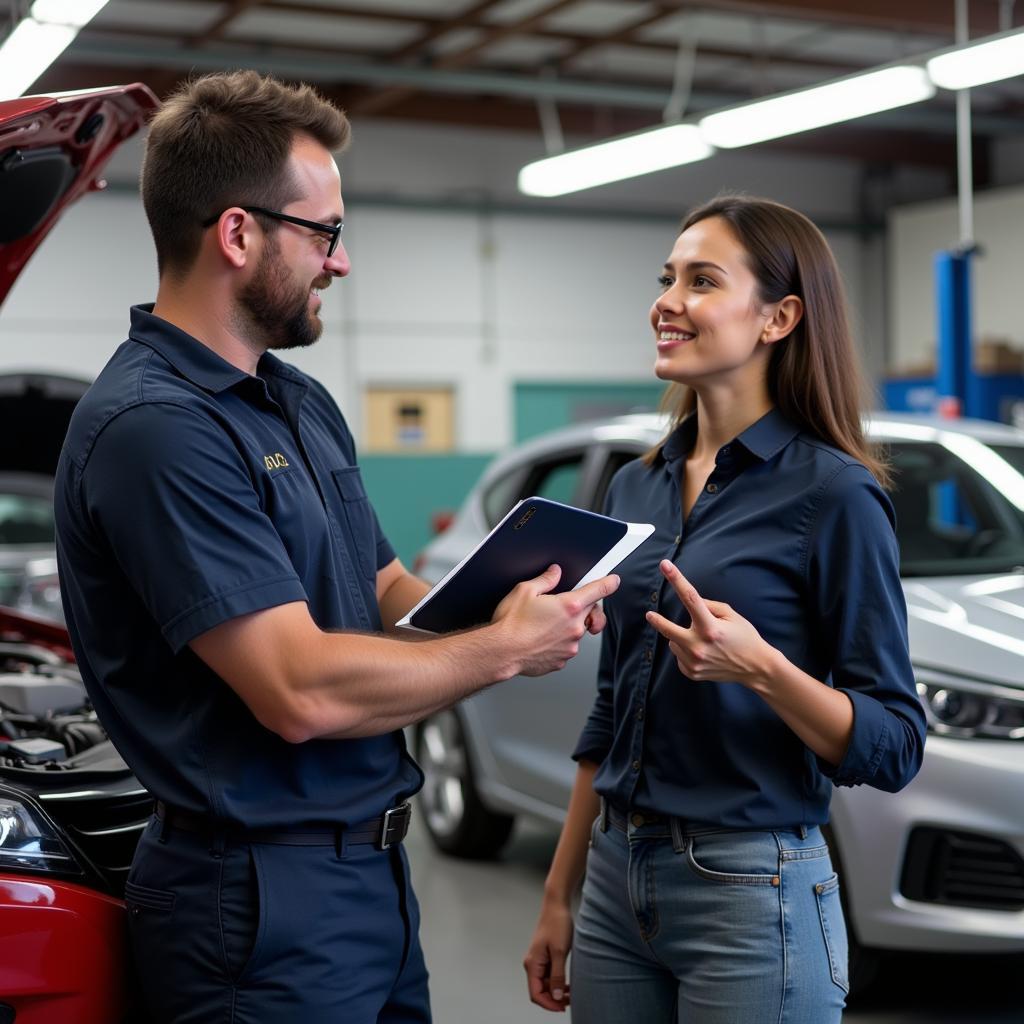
<point x="939" y="866"/>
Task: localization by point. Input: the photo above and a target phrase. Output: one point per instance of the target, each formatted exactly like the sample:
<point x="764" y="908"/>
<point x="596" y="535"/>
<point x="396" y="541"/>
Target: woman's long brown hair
<point x="814" y="376"/>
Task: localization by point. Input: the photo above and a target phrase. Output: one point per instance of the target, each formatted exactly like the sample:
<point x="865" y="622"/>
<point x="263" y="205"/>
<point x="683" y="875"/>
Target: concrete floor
<point x="478" y="918"/>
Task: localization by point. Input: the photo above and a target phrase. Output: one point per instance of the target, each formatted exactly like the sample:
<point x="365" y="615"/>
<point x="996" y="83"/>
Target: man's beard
<point x="275" y="309"/>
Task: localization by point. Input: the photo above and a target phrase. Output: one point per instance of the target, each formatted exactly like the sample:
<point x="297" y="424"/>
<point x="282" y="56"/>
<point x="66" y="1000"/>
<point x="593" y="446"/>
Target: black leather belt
<point x="387" y="830"/>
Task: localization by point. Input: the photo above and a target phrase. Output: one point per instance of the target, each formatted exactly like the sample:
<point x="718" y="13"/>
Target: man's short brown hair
<point x="223" y="140"/>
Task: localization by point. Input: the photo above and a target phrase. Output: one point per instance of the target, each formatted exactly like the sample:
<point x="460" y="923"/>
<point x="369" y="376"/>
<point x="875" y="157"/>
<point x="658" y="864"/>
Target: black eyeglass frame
<point x="331" y="230"/>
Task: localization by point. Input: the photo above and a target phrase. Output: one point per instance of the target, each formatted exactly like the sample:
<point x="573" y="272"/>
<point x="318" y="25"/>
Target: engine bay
<point x="46" y="721"/>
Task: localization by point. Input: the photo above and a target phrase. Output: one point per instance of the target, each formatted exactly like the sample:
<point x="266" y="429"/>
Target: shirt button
<point x="654" y="597"/>
<point x="636" y="766"/>
<point x="726" y="450"/>
<point x="648" y="654"/>
<point x="712" y="488"/>
<point x="639" y="714"/>
<point x="679" y="537"/>
<point x="638" y="820"/>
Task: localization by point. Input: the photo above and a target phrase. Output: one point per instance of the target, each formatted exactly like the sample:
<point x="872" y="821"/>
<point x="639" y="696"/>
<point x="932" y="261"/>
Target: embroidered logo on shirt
<point x="275" y="461"/>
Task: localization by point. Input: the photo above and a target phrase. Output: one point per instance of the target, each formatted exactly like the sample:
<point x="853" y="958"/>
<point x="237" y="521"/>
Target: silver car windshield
<point x="956" y="517"/>
<point x="26" y="520"/>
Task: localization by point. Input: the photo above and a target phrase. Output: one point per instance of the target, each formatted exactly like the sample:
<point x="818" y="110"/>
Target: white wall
<point x="470" y="298"/>
<point x="917" y="232"/>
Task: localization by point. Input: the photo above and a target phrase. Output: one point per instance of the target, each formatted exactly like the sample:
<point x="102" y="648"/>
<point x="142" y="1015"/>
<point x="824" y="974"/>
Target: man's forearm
<point x="302" y="682"/>
<point x="385" y="684"/>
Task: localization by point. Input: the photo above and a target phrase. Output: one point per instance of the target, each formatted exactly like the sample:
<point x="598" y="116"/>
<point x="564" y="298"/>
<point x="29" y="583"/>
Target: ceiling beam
<point x="778" y="58"/>
<point x="441" y="27"/>
<point x="491" y="35"/>
<point x="220" y="25"/>
<point x="934" y="17"/>
<point x="907" y="139"/>
<point x="925" y="16"/>
<point x="327" y="70"/>
<point x="623" y="35"/>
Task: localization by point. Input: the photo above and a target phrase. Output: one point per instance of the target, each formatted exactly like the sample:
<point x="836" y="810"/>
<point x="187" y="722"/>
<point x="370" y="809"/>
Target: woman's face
<point x="708" y="320"/>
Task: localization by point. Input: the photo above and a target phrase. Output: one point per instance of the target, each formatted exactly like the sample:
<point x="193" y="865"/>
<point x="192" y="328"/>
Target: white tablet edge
<point x="636" y="534"/>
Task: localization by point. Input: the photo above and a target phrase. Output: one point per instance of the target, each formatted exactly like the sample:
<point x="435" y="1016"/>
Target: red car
<point x="71" y="811"/>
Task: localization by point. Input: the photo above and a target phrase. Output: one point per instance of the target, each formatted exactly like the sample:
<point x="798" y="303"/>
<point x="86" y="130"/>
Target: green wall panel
<point x="406" y="491"/>
<point x="544" y="406"/>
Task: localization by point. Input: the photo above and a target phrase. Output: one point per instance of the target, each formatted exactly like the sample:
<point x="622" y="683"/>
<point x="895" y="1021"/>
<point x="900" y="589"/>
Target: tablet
<point x="536" y="533"/>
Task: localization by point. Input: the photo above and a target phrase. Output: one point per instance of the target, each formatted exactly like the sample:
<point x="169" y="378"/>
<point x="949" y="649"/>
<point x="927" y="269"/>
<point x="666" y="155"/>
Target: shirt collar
<point x="763" y="438"/>
<point x="270" y="365"/>
<point x="190" y="357"/>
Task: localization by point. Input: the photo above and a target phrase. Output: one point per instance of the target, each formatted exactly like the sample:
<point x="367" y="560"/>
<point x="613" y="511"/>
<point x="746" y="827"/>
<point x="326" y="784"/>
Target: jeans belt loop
<point x="678" y="834"/>
<point x="603" y="824"/>
<point x="803" y="831"/>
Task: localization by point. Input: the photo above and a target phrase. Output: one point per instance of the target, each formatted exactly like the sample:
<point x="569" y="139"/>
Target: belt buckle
<point x="394" y="825"/>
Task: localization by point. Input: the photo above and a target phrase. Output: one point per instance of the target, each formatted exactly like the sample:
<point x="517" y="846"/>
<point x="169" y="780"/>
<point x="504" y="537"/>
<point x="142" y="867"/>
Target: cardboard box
<point x="997" y="355"/>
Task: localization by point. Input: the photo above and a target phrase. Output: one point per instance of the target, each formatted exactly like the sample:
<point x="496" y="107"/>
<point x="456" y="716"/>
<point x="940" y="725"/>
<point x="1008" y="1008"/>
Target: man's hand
<point x="720" y="645"/>
<point x="547" y="628"/>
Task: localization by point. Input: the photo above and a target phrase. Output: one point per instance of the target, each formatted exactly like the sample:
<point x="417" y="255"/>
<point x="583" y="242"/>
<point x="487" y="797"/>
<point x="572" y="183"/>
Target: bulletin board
<point x="409" y="419"/>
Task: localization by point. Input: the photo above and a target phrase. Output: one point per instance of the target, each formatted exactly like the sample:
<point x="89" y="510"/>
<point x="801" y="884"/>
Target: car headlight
<point x="969" y="709"/>
<point x="28" y="842"/>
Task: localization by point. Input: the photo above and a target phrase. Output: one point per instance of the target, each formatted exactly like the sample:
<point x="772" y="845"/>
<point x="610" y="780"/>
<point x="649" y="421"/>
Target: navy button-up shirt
<point x="189" y="493"/>
<point x="798" y="538"/>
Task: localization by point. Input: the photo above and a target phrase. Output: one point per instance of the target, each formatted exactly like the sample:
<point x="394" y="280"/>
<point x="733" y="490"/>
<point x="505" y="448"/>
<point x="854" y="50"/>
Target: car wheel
<point x="457" y="820"/>
<point x="864" y="962"/>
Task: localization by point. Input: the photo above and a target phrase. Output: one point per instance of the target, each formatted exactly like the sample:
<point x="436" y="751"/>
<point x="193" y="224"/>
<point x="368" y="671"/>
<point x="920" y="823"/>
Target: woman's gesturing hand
<point x="720" y="645"/>
<point x="545" y="959"/>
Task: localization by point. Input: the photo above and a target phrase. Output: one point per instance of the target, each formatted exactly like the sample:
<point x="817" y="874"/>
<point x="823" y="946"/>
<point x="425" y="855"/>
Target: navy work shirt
<point x="189" y="493"/>
<point x="798" y="538"/>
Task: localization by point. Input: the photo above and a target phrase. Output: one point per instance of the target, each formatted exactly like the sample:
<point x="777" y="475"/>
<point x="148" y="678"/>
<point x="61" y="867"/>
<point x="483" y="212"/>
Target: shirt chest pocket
<point x="356" y="519"/>
<point x="293" y="505"/>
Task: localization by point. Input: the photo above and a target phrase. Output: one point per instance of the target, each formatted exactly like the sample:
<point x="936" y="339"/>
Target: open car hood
<point x="52" y="149"/>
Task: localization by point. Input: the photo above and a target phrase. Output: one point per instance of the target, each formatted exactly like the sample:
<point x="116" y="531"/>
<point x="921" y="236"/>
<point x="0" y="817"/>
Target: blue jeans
<point x="708" y="926"/>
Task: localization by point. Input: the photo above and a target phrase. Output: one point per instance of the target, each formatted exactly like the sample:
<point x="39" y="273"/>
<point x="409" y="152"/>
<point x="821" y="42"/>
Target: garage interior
<point x="478" y="317"/>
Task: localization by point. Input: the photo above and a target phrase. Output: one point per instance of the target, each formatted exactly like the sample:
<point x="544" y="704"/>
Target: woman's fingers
<point x="700" y="613"/>
<point x="559" y="989"/>
<point x="545" y="977"/>
<point x="670" y="630"/>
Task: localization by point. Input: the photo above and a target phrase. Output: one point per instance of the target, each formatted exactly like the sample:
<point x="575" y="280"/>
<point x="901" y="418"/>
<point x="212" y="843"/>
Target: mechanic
<point x="228" y="591"/>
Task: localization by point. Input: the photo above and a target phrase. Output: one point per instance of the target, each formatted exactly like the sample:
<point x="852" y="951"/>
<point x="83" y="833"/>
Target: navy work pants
<point x="248" y="933"/>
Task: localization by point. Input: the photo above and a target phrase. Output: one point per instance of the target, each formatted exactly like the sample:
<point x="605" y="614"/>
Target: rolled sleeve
<point x="853" y="577"/>
<point x="174" y="500"/>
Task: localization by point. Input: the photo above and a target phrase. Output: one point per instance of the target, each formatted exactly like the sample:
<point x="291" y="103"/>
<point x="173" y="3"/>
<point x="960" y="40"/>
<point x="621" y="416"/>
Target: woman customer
<point x="755" y="656"/>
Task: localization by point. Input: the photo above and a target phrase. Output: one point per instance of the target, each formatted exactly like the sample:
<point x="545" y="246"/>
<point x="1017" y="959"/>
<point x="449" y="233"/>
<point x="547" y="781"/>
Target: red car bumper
<point x="63" y="951"/>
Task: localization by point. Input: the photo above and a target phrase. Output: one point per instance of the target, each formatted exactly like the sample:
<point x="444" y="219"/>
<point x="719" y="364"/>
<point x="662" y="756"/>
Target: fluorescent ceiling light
<point x="643" y="153"/>
<point x="66" y="12"/>
<point x="38" y="40"/>
<point x="990" y="61"/>
<point x="28" y="51"/>
<point x="832" y="103"/>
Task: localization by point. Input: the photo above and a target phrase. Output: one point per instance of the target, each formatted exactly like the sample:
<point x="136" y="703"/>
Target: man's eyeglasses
<point x="332" y="231"/>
